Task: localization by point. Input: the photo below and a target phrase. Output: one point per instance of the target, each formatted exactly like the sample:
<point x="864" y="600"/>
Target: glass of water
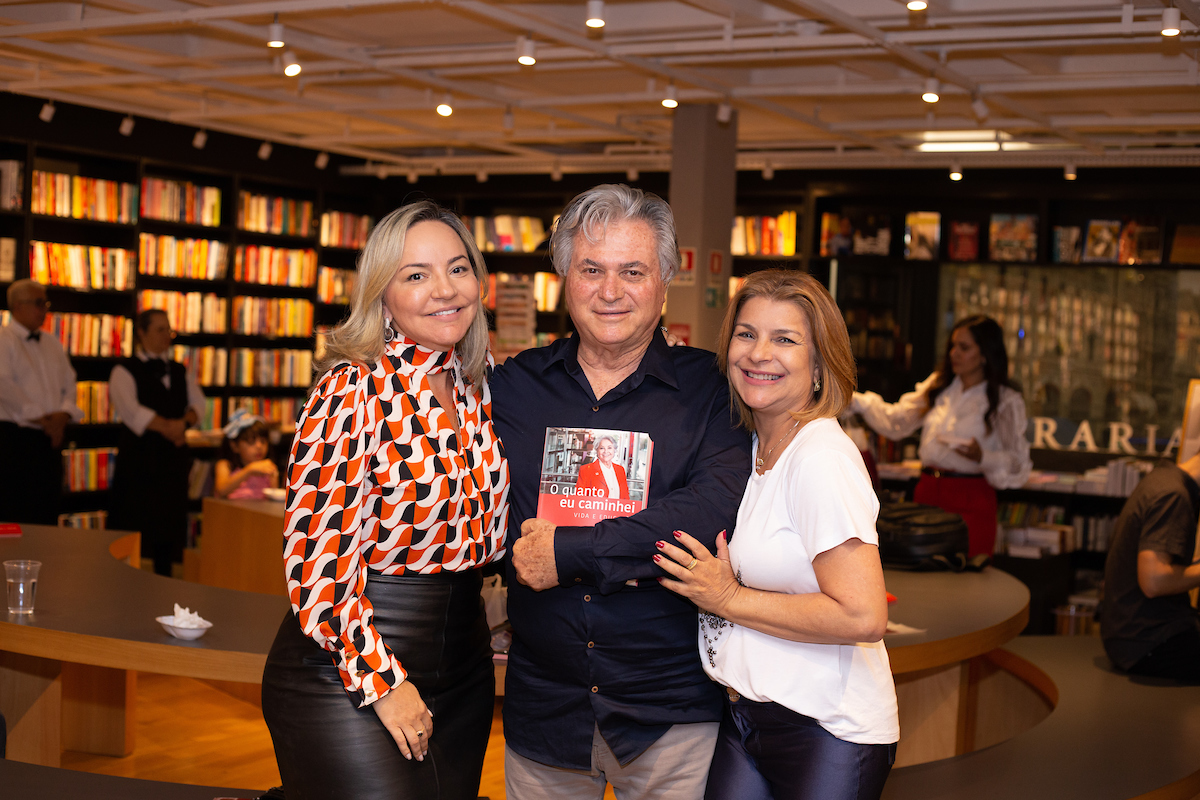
<point x="21" y="579"/>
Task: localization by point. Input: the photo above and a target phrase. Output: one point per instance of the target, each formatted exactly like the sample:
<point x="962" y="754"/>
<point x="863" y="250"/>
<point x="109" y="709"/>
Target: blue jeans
<point x="768" y="752"/>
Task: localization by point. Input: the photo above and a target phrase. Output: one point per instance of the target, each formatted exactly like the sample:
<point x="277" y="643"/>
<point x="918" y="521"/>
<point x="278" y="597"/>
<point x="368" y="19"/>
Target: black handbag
<point x="923" y="538"/>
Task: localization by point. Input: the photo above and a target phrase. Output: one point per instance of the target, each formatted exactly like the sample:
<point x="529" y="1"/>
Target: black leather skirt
<point x="327" y="747"/>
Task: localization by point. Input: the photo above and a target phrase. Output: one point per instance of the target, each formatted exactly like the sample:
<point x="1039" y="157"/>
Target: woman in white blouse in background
<point x="973" y="419"/>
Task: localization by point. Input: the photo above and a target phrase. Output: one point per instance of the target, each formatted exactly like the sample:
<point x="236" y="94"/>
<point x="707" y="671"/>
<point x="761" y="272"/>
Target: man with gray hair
<point x="604" y="680"/>
<point x="37" y="400"/>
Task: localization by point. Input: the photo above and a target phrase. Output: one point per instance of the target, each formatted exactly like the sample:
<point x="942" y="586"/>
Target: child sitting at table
<point x="244" y="469"/>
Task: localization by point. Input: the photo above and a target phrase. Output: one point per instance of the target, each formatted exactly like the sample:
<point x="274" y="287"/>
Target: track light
<point x="1171" y="20"/>
<point x="200" y="139"/>
<point x="955" y="172"/>
<point x="931" y="90"/>
<point x="445" y="108"/>
<point x="556" y="173"/>
<point x="126" y="126"/>
<point x="322" y="161"/>
<point x="724" y="113"/>
<point x="672" y="99"/>
<point x="291" y="67"/>
<point x="481" y="176"/>
<point x="412" y="176"/>
<point x="509" y="122"/>
<point x="768" y="172"/>
<point x="595" y="14"/>
<point x="980" y="108"/>
<point x="1069" y="172"/>
<point x="47" y="112"/>
<point x="917" y="5"/>
<point x="381" y="172"/>
<point x="264" y="151"/>
<point x="631" y="174"/>
<point x="275" y="33"/>
<point x="525" y="51"/>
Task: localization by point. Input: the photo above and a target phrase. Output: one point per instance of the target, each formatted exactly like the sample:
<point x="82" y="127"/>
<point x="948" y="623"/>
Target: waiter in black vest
<point x="157" y="401"/>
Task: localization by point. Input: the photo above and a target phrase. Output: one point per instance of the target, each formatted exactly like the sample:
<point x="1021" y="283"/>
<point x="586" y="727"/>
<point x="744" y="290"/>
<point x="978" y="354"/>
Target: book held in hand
<point x="593" y="474"/>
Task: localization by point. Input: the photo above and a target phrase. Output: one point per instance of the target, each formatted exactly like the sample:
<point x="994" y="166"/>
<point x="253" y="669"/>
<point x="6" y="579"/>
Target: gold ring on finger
<point x="692" y="565"/>
<point x="420" y="733"/>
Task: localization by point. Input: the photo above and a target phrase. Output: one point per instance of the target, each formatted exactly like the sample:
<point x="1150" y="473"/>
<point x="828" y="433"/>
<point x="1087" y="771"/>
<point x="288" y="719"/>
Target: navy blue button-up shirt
<point x="596" y="651"/>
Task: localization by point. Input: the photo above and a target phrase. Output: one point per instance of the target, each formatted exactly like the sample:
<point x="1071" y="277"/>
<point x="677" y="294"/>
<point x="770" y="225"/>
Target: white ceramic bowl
<point x="182" y="633"/>
<point x="275" y="494"/>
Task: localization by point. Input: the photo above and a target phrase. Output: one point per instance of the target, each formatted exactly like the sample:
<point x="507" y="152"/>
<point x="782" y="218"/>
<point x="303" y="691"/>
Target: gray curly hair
<point x="591" y="212"/>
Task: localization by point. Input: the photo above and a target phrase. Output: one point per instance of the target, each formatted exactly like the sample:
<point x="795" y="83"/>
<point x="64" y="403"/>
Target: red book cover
<point x="593" y="474"/>
<point x="964" y="241"/>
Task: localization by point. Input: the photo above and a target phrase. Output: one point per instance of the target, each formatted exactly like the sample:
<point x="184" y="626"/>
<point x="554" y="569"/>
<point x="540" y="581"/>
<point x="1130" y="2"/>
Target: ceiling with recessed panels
<point x="814" y="83"/>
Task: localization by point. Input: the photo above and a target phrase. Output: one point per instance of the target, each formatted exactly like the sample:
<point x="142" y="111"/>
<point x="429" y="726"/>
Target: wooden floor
<point x="189" y="732"/>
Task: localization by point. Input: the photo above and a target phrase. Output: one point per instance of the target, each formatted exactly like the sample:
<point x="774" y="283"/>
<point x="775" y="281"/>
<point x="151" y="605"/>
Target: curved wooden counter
<point x="93" y="609"/>
<point x="1109" y="737"/>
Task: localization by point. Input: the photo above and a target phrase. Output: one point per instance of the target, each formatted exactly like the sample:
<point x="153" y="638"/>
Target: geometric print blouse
<point x="382" y="479"/>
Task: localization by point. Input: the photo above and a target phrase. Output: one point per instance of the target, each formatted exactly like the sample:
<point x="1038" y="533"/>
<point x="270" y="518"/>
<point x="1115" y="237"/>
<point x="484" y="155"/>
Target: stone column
<point x="702" y="191"/>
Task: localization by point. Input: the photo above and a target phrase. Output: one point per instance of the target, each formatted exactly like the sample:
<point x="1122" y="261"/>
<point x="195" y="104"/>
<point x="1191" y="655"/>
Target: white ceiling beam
<point x="926" y="64"/>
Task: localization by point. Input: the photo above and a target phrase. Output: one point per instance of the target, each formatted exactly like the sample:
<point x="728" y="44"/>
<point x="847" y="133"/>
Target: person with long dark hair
<point x="380" y="680"/>
<point x="973" y="428"/>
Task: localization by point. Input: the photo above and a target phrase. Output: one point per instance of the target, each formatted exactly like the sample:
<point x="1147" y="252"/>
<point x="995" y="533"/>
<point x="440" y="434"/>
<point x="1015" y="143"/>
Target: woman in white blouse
<point x="973" y="428"/>
<point x="793" y="609"/>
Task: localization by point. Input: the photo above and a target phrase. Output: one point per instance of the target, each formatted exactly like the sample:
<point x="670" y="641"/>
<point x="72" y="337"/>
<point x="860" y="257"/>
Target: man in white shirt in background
<point x="157" y="400"/>
<point x="37" y="400"/>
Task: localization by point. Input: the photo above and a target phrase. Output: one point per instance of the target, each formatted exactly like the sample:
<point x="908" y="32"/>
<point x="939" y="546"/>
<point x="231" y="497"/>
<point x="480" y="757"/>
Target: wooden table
<point x="66" y="671"/>
<point x="962" y="616"/>
<point x="242" y="545"/>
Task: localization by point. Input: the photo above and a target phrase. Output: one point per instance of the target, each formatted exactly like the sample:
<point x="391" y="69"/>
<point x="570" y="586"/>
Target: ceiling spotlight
<point x="931" y="90"/>
<point x="917" y="5"/>
<point x="595" y="14"/>
<point x="445" y="108"/>
<point x="481" y="176"/>
<point x="47" y="112"/>
<point x="264" y="151"/>
<point x="955" y="172"/>
<point x="291" y="67"/>
<point x="631" y="174"/>
<point x="1069" y="172"/>
<point x="724" y="113"/>
<point x="381" y="172"/>
<point x="980" y="107"/>
<point x="322" y="161"/>
<point x="556" y="173"/>
<point x="200" y="139"/>
<point x="768" y="171"/>
<point x="525" y="51"/>
<point x="126" y="126"/>
<point x="1170" y="25"/>
<point x="412" y="176"/>
<point x="509" y="122"/>
<point x="672" y="99"/>
<point x="275" y="33"/>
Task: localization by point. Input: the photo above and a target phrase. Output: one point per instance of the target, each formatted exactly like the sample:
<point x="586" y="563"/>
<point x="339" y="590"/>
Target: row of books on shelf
<point x="1118" y="478"/>
<point x="77" y="197"/>
<point x="208" y="365"/>
<point x="764" y="235"/>
<point x="181" y="201"/>
<point x="869" y="344"/>
<point x="12" y="184"/>
<point x="82" y="267"/>
<point x="273" y="316"/>
<point x="92" y="397"/>
<point x="334" y="286"/>
<point x="1010" y="238"/>
<point x="1086" y="533"/>
<point x="275" y="266"/>
<point x="270" y="367"/>
<point x="97" y="520"/>
<point x="169" y="257"/>
<point x="280" y="410"/>
<point x="342" y="229"/>
<point x="88" y="469"/>
<point x="8" y="259"/>
<point x="104" y="335"/>
<point x="507" y="233"/>
<point x="546" y="287"/>
<point x="188" y="312"/>
<point x="278" y="215"/>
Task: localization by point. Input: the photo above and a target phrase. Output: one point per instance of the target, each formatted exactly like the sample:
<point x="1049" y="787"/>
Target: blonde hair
<point x="359" y="339"/>
<point x="832" y="356"/>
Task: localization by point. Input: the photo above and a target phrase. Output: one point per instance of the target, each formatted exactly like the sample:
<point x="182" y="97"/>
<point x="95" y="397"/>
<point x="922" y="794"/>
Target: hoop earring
<point x="389" y="333"/>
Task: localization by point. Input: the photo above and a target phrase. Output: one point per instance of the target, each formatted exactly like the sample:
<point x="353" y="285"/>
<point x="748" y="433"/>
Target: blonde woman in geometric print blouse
<point x="380" y="680"/>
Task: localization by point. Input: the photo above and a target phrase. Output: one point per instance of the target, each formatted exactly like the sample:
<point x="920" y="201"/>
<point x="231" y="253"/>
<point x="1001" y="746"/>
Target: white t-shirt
<point x="817" y="496"/>
<point x="610" y="477"/>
